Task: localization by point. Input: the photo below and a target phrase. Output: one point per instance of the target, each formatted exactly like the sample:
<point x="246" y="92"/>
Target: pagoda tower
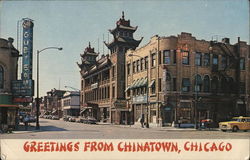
<point x="88" y="58"/>
<point x="123" y="40"/>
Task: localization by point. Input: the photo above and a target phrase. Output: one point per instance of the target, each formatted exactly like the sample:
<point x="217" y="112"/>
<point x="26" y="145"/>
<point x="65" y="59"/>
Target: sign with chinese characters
<point x="23" y="87"/>
<point x="27" y="49"/>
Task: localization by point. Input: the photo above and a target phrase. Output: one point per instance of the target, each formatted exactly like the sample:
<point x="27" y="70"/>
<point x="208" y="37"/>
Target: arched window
<point x="197" y="83"/>
<point x="1" y="77"/>
<point x="214" y="84"/>
<point x="232" y="88"/>
<point x="206" y="83"/>
<point x="224" y="85"/>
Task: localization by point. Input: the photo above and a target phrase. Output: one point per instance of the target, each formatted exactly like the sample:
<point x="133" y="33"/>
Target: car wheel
<point x="224" y="130"/>
<point x="245" y="130"/>
<point x="235" y="129"/>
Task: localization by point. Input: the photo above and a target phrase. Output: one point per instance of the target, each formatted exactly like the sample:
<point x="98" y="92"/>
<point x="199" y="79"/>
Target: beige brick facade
<point x="222" y="88"/>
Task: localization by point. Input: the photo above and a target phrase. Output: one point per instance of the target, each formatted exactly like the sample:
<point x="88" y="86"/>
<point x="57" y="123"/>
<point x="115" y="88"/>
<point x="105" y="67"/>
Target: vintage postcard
<point x="120" y="79"/>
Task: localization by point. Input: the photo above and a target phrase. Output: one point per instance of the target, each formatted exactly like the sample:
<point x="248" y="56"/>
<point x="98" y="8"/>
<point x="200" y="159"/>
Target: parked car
<point x="88" y="120"/>
<point x="237" y="123"/>
<point x="72" y="119"/>
<point x="66" y="118"/>
<point x="31" y="119"/>
<point x="55" y="118"/>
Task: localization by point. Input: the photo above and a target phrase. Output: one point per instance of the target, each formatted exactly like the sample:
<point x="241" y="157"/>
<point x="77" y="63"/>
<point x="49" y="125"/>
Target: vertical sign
<point x="27" y="54"/>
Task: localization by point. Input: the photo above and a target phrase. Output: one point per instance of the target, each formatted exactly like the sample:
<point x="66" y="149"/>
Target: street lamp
<point x="37" y="95"/>
<point x="147" y="124"/>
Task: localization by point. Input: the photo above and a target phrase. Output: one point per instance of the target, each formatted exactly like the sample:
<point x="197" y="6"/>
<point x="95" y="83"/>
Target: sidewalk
<point x="21" y="129"/>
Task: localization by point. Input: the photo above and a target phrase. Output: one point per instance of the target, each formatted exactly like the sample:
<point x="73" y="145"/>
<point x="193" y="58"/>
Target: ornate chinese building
<point x="103" y="80"/>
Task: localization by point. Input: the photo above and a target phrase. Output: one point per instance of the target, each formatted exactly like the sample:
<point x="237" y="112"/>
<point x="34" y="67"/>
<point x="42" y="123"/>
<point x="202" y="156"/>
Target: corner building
<point x="8" y="73"/>
<point x="103" y="80"/>
<point x="180" y="78"/>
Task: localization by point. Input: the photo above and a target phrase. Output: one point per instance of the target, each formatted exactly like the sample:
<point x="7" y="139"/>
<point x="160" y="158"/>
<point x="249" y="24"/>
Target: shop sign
<point x="23" y="88"/>
<point x="140" y="99"/>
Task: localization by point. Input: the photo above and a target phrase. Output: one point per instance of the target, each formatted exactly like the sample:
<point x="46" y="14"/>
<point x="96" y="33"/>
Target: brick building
<point x="187" y="79"/>
<point x="54" y="102"/>
<point x="8" y="73"/>
<point x="103" y="80"/>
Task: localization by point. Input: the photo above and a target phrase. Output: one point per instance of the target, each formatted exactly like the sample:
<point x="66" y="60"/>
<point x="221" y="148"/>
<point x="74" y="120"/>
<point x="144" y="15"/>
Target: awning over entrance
<point x="128" y="88"/>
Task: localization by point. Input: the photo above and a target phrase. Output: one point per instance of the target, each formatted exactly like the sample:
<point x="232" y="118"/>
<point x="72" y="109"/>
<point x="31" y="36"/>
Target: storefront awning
<point x="151" y="83"/>
<point x="128" y="88"/>
<point x="9" y="105"/>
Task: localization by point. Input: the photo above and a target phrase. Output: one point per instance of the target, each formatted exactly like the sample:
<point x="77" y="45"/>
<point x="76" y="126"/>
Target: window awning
<point x="186" y="82"/>
<point x="151" y="83"/>
<point x="128" y="88"/>
<point x="143" y="82"/>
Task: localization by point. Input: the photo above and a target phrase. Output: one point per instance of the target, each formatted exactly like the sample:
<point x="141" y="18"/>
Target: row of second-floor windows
<point x="170" y="57"/>
<point x="97" y="78"/>
<point x="1" y="77"/>
<point x="98" y="94"/>
<point x="66" y="102"/>
<point x="207" y="84"/>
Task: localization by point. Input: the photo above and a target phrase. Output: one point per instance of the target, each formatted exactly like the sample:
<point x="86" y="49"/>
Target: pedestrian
<point x="26" y="121"/>
<point x="142" y="120"/>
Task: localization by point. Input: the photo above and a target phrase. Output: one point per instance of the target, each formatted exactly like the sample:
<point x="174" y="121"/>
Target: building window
<point x="214" y="84"/>
<point x="224" y="85"/>
<point x="168" y="82"/>
<point x="1" y="77"/>
<point x="153" y="60"/>
<point x="160" y="89"/>
<point x="215" y="59"/>
<point x="166" y="57"/>
<point x="146" y="62"/>
<point x="197" y="83"/>
<point x="138" y="65"/>
<point x="242" y="64"/>
<point x="223" y="62"/>
<point x="206" y="59"/>
<point x="185" y="84"/>
<point x="134" y="67"/>
<point x="206" y="83"/>
<point x="185" y="57"/>
<point x="198" y="59"/>
<point x="142" y="64"/>
<point x="174" y="57"/>
<point x="242" y="88"/>
<point x="174" y="84"/>
<point x="128" y="68"/>
<point x="215" y="63"/>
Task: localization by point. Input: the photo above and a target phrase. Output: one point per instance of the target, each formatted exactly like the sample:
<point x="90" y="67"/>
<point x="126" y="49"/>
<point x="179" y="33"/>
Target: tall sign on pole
<point x="27" y="49"/>
<point x="23" y="90"/>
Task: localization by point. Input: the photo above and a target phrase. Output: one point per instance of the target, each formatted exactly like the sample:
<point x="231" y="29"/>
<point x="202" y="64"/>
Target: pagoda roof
<point x="131" y="41"/>
<point x="89" y="51"/>
<point x="118" y="27"/>
<point x="123" y="24"/>
<point x="101" y="63"/>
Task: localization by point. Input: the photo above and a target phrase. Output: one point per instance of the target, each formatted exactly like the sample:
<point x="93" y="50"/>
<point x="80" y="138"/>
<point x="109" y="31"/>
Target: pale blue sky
<point x="72" y="24"/>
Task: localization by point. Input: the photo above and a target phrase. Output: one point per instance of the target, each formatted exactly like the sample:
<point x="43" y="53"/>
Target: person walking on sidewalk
<point x="26" y="121"/>
<point x="142" y="120"/>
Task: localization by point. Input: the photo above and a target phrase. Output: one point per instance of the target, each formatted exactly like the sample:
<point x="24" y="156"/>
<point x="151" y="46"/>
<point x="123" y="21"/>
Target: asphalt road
<point x="58" y="129"/>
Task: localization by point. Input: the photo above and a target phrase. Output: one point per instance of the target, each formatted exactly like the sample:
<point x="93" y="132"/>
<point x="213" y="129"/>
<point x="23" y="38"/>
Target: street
<point x="58" y="129"/>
